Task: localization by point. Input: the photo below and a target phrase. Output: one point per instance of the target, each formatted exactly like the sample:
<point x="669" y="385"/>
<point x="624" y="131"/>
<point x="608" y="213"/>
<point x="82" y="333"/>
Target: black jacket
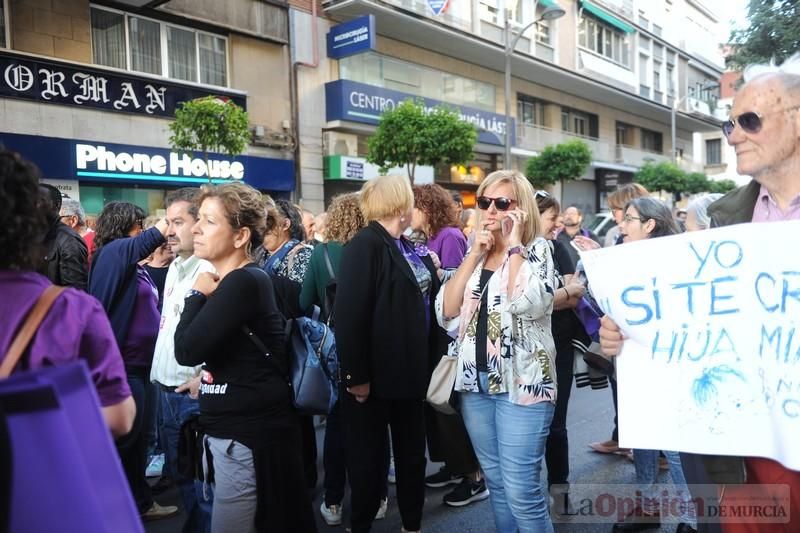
<point x="67" y="259"/>
<point x="382" y="337"/>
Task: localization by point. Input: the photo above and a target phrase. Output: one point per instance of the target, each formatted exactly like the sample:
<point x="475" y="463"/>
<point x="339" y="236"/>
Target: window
<point x="657" y="30"/>
<point x="713" y="152"/>
<point x="530" y="110"/>
<point x="130" y="42"/>
<point x="652" y="141"/>
<point x="3" y="25"/>
<point x="489" y="10"/>
<point x="624" y="134"/>
<point x="579" y="122"/>
<point x="656" y="76"/>
<point x="643" y="21"/>
<point x="604" y="40"/>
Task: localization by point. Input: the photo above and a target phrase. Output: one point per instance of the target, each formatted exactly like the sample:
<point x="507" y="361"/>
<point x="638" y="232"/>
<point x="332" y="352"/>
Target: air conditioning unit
<point x="337" y="143"/>
<point x="697" y="106"/>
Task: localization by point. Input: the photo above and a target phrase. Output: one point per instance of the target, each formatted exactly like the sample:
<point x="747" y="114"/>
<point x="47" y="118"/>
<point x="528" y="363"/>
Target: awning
<point x="548" y="3"/>
<point x="606" y="17"/>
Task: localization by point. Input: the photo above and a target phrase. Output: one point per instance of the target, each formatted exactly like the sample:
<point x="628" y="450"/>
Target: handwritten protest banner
<point x="712" y="360"/>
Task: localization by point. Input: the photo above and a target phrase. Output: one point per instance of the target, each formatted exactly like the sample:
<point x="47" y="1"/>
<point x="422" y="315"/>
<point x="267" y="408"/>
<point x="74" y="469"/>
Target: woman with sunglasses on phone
<point x="498" y="305"/>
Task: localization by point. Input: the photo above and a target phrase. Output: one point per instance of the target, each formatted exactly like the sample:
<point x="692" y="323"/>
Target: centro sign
<point x="96" y="160"/>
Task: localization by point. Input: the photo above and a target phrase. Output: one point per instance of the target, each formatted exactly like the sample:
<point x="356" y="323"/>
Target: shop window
<point x="713" y="152"/>
<point x="380" y="71"/>
<point x="604" y="40"/>
<point x="129" y="42"/>
<point x="652" y="141"/>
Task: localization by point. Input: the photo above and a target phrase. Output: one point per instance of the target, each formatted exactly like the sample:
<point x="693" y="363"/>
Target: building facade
<point x="609" y="72"/>
<point x="88" y="89"/>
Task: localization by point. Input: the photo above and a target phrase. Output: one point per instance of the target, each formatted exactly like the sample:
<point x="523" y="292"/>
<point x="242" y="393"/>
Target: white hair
<point x="790" y="66"/>
<point x="699" y="206"/>
<point x="70" y="207"/>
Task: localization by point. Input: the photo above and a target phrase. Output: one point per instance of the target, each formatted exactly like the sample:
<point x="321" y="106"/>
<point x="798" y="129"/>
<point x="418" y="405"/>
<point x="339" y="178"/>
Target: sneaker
<point x="157" y="512"/>
<point x="331" y="514"/>
<point x="442" y="478"/>
<point x="466" y="492"/>
<point x="381" y="514"/>
<point x="156" y="466"/>
<point x="391" y="477"/>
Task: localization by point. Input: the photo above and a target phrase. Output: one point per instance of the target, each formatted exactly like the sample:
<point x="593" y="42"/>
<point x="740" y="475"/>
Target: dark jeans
<point x="333" y="460"/>
<point x="366" y="443"/>
<point x="175" y="410"/>
<point x="132" y="447"/>
<point x="557" y="448"/>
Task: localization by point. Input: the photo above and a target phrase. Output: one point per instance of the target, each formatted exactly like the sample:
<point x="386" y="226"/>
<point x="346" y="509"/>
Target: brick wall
<point x="55" y="28"/>
<point x="305" y="5"/>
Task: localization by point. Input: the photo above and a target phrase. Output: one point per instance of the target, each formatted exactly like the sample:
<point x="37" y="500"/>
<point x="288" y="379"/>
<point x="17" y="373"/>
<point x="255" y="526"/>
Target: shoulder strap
<point x="327" y="257"/>
<point x="26" y="333"/>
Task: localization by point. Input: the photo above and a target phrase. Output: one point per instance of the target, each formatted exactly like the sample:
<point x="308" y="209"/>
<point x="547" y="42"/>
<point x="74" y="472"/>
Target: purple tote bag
<point x="65" y="472"/>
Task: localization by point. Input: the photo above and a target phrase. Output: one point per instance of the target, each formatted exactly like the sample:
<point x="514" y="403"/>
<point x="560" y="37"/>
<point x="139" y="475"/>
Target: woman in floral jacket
<point x="498" y="305"/>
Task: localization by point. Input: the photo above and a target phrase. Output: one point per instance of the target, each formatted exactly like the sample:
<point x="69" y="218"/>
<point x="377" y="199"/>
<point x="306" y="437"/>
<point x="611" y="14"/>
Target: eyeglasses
<point x="501" y="203"/>
<point x="629" y="218"/>
<point x="750" y="121"/>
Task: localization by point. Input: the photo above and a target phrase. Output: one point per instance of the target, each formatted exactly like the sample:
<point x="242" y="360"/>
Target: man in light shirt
<point x="178" y="385"/>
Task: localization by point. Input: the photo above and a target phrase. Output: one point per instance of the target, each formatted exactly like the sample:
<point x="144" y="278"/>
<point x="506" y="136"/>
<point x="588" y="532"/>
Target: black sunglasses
<point x="501" y="203"/>
<point x="750" y="121"/>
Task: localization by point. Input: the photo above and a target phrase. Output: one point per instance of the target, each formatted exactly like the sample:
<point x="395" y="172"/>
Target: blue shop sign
<point x="62" y="83"/>
<point x="352" y="37"/>
<point x="358" y="102"/>
<point x="124" y="164"/>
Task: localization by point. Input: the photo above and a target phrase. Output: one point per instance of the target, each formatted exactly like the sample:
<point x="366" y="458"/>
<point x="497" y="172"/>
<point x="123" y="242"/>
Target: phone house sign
<point x="97" y="160"/>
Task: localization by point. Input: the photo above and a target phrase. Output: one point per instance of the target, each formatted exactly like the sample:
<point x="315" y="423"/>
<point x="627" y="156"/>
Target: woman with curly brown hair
<point x="435" y="216"/>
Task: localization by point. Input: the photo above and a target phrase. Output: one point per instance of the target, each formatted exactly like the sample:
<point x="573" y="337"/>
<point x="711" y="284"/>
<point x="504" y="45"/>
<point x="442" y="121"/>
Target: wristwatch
<point x="194" y="292"/>
<point x="521" y="250"/>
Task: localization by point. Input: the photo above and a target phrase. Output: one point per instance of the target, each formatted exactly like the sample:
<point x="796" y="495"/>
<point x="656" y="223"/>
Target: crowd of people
<point x="185" y="315"/>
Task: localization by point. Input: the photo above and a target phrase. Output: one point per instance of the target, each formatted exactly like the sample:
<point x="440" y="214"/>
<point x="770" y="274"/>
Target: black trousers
<point x="615" y="433"/>
<point x="557" y="449"/>
<point x="308" y="437"/>
<point x="366" y="441"/>
<point x="132" y="447"/>
<point x="448" y="441"/>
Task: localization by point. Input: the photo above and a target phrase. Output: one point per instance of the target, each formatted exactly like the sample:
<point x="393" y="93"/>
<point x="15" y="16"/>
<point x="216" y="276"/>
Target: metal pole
<point x="674" y="148"/>
<point x="507" y="98"/>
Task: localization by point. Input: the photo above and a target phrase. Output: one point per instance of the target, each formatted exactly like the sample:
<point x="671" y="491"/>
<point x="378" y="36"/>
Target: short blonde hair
<point x="386" y="196"/>
<point x="526" y="201"/>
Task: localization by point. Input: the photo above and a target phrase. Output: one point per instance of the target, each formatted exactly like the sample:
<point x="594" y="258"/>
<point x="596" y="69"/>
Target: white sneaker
<point x="381" y="514"/>
<point x="332" y="515"/>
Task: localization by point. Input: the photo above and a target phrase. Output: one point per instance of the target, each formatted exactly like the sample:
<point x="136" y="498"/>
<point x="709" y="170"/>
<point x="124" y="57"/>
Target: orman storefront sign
<point x="63" y="83"/>
<point x="359" y="102"/>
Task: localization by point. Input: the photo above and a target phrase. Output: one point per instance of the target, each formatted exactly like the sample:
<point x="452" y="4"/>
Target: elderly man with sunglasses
<point x="764" y="128"/>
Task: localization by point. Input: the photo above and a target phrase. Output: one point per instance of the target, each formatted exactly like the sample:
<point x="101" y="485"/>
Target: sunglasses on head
<point x="541" y="194"/>
<point x="750" y="121"/>
<point x="501" y="203"/>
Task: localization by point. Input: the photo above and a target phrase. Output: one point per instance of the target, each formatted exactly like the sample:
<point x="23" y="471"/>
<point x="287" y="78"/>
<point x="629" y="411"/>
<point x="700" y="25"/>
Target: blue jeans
<point x="646" y="464"/>
<point x="509" y="441"/>
<point x="175" y="410"/>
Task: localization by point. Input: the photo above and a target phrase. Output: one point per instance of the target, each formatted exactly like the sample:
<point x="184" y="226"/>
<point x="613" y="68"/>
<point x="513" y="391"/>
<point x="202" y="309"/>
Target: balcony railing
<point x="637" y="157"/>
<point x="537" y="138"/>
<point x="420" y="7"/>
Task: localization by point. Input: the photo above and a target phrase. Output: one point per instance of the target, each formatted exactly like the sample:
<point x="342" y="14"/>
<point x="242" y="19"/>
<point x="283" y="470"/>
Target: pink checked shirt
<point x="767" y="210"/>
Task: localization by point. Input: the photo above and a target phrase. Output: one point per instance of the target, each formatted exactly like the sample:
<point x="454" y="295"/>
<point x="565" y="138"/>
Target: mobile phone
<point x="507" y="225"/>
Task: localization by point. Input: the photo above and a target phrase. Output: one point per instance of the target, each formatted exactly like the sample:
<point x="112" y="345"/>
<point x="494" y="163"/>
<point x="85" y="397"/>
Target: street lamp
<point x="551" y="12"/>
<point x="705" y="87"/>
